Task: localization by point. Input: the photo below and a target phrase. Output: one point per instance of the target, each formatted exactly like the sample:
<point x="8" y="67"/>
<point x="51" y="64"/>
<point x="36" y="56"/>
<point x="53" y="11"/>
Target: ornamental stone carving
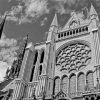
<point x="73" y="57"/>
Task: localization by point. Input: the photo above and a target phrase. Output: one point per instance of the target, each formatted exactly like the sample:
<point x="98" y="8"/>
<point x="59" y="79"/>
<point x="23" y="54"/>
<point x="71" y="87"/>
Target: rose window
<point x="73" y="57"/>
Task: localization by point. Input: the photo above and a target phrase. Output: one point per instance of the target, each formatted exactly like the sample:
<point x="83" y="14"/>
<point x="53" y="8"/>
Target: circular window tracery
<point x="73" y="57"/>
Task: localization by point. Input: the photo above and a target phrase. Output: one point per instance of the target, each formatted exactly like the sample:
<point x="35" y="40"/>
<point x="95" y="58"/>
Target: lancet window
<point x="34" y="63"/>
<point x="56" y="85"/>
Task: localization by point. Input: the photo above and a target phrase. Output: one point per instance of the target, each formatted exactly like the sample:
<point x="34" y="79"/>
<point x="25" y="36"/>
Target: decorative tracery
<point x="73" y="57"/>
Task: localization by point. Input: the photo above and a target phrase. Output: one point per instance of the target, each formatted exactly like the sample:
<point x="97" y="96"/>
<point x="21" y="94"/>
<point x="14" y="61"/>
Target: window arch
<point x="32" y="73"/>
<point x="65" y="83"/>
<point x="89" y="78"/>
<point x="42" y="57"/>
<point x="40" y="70"/>
<point x="35" y="58"/>
<point x="33" y="68"/>
<point x="72" y="83"/>
<point x="56" y="85"/>
<point x="81" y="82"/>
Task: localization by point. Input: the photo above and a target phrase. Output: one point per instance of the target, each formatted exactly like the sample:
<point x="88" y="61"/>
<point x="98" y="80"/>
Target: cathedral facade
<point x="64" y="67"/>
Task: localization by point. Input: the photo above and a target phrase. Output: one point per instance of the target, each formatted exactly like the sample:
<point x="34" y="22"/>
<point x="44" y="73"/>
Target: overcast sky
<point x="34" y="17"/>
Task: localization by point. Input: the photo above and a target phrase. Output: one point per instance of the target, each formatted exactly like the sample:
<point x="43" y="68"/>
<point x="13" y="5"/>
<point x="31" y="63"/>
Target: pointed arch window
<point x="89" y="78"/>
<point x="42" y="57"/>
<point x="40" y="70"/>
<point x="65" y="84"/>
<point x="81" y="82"/>
<point x="34" y="63"/>
<point x="72" y="83"/>
<point x="32" y="73"/>
<point x="35" y="59"/>
<point x="56" y="85"/>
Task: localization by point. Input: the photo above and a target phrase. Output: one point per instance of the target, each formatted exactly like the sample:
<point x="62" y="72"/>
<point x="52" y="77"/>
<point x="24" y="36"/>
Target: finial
<point x="27" y="35"/>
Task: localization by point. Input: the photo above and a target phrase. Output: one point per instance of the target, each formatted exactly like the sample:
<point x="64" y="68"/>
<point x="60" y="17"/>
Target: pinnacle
<point x="55" y="21"/>
<point x="92" y="10"/>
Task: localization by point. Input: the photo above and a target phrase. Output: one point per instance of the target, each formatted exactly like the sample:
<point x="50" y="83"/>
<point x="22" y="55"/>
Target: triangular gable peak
<point x="92" y="11"/>
<point x="76" y="20"/>
<point x="62" y="95"/>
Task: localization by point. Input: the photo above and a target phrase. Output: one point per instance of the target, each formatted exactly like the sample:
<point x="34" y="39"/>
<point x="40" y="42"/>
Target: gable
<point x="72" y="21"/>
<point x="75" y="21"/>
<point x="62" y="95"/>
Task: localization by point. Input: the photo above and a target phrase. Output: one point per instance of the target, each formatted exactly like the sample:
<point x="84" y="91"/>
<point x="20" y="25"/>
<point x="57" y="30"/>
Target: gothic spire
<point x="55" y="21"/>
<point x="21" y="53"/>
<point x="92" y="11"/>
<point x="15" y="68"/>
<point x="2" y="26"/>
<point x="53" y="28"/>
<point x="23" y="45"/>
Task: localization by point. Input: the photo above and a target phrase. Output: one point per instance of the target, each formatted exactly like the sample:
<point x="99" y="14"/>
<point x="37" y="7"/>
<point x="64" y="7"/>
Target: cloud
<point x="9" y="0"/>
<point x="3" y="67"/>
<point x="14" y="12"/>
<point x="28" y="11"/>
<point x="43" y="22"/>
<point x="8" y="53"/>
<point x="66" y="6"/>
<point x="36" y="8"/>
<point x="6" y="42"/>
